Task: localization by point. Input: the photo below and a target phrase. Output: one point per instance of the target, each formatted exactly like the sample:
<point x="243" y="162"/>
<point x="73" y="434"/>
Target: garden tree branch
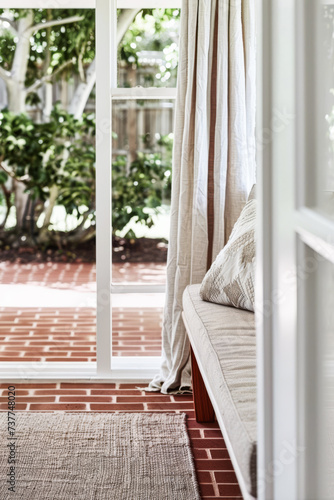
<point x="123" y="22"/>
<point x="7" y="193"/>
<point x="11" y="174"/>
<point x="48" y="97"/>
<point x="48" y="78"/>
<point x="81" y="236"/>
<point x="43" y="235"/>
<point x="47" y="59"/>
<point x="54" y="22"/>
<point x="85" y="88"/>
<point x="12" y="23"/>
<point x="85" y="217"/>
<point x="15" y="85"/>
<point x="80" y="63"/>
<point x="4" y="74"/>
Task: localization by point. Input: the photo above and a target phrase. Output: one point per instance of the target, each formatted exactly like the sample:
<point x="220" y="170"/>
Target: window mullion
<point x="106" y="18"/>
<point x="157" y="93"/>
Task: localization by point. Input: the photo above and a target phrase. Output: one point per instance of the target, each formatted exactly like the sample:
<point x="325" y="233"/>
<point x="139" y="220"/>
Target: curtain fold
<point x="213" y="158"/>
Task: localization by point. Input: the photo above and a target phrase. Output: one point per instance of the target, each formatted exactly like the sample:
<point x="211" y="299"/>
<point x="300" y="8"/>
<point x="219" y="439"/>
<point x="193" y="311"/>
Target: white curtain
<point x="214" y="157"/>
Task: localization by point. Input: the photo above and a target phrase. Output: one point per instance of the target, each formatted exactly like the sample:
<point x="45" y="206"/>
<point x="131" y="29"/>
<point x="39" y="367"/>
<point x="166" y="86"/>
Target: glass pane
<point x="326" y="194"/>
<point x="329" y="383"/>
<point x="47" y="216"/>
<point x="326" y="421"/>
<point x="319" y="106"/>
<point x="136" y="324"/>
<point x="141" y="172"/>
<point x="317" y="274"/>
<point x="148" y="51"/>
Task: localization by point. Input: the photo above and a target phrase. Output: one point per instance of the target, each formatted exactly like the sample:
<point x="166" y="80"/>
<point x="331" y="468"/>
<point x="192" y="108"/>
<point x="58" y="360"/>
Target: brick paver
<point x="69" y="334"/>
<point x="60" y="334"/>
<point x="214" y="469"/>
<point x="79" y="277"/>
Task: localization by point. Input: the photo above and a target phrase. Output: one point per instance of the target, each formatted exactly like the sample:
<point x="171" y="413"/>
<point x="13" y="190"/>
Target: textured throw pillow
<point x="230" y="279"/>
<point x="252" y="194"/>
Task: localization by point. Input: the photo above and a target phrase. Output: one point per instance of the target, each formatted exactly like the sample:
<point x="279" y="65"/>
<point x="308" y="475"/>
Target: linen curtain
<point x="213" y="158"/>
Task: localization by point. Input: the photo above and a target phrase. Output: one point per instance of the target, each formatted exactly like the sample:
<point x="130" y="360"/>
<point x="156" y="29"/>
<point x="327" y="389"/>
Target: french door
<point x="108" y="91"/>
<point x="296" y="250"/>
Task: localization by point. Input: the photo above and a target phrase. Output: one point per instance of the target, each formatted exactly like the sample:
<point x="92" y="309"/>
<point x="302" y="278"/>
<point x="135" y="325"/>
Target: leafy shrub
<point x="56" y="157"/>
<point x="55" y="162"/>
<point x="144" y="186"/>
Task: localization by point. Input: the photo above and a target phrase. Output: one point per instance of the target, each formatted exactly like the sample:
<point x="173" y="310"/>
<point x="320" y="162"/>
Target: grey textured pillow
<point x="230" y="279"/>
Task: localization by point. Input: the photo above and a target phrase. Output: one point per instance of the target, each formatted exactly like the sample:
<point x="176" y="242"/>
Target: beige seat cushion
<point x="225" y="338"/>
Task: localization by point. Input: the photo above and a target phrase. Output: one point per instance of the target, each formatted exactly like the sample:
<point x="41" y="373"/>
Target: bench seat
<point x="223" y="342"/>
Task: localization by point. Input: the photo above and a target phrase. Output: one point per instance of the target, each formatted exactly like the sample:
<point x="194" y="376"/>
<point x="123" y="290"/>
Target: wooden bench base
<point x="203" y="407"/>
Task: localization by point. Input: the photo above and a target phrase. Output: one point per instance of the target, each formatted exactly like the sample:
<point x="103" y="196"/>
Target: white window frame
<point x="107" y="367"/>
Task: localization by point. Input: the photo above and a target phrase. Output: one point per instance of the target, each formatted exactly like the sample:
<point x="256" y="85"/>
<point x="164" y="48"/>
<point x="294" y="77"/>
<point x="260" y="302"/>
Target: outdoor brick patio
<point x="69" y="334"/>
<point x="77" y="276"/>
<point x="213" y="466"/>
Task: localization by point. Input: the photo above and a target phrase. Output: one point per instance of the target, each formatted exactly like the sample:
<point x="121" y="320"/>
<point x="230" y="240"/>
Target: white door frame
<point x="276" y="282"/>
<point x="134" y="369"/>
<point x="290" y="227"/>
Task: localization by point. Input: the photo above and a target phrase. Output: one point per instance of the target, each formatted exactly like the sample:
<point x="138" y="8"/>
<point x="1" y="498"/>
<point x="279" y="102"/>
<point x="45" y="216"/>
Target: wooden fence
<point x="136" y="123"/>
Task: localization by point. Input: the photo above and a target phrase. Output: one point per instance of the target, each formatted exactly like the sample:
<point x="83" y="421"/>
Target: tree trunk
<point x="82" y="92"/>
<point x="7" y="195"/>
<point x="21" y="200"/>
<point x="16" y="99"/>
<point x="84" y="89"/>
<point x="48" y="104"/>
<point x="16" y="84"/>
<point x="42" y="238"/>
<point x="48" y="95"/>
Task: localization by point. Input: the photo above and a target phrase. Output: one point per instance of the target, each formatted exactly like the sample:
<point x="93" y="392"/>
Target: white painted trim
<point x="316" y="225"/>
<point x="315" y="232"/>
<point x="105" y="45"/>
<point x="125" y="369"/>
<point x="47" y="4"/>
<point x="282" y="299"/>
<point x="220" y="420"/>
<point x="263" y="278"/>
<point x="143" y="93"/>
<point x="276" y="298"/>
<point x="137" y="288"/>
<point x="86" y="4"/>
<point x="149" y="4"/>
<point x="317" y="244"/>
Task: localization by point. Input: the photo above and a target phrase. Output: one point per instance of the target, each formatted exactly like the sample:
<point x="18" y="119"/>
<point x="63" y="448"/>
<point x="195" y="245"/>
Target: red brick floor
<point x="214" y="469"/>
<point x="64" y="333"/>
<point x="79" y="277"/>
<point x="69" y="334"/>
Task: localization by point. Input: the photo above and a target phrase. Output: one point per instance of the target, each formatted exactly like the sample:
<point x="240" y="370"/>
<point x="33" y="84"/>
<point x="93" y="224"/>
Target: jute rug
<point x="97" y="456"/>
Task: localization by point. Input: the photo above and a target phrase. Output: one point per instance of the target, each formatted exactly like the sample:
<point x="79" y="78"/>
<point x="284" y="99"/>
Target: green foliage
<point x="51" y="47"/>
<point x="153" y="30"/>
<point x="61" y="154"/>
<point x="7" y="49"/>
<point x="138" y="191"/>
